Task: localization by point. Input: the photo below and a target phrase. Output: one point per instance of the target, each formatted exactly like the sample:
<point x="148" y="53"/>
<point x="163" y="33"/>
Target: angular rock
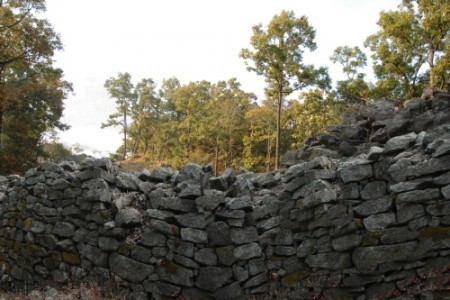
<point x="244" y="235"/>
<point x="128" y="217"/>
<point x="399" y="143"/>
<point x="380" y="221"/>
<point x="355" y="173"/>
<point x="367" y="259"/>
<point x="419" y="195"/>
<point x="63" y="229"/>
<point x="373" y="190"/>
<point x="193" y="220"/>
<point x="374" y="206"/>
<point x="94" y="254"/>
<point x="346" y="242"/>
<point x="175" y="274"/>
<point x="210" y="200"/>
<point x="129" y="269"/>
<point x="127" y="181"/>
<point x="194" y="235"/>
<point x="206" y="256"/>
<point x="241" y="203"/>
<point x="247" y="251"/>
<point x="219" y="234"/>
<point x="330" y="260"/>
<point x="161" y="174"/>
<point x="213" y="278"/>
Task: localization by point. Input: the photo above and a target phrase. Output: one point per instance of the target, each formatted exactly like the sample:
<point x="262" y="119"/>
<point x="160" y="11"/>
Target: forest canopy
<point x="172" y="122"/>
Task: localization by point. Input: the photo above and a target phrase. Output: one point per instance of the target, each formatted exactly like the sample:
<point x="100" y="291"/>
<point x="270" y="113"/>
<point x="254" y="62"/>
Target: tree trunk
<point x="277" y="145"/>
<point x="124" y="135"/>
<point x="216" y="157"/>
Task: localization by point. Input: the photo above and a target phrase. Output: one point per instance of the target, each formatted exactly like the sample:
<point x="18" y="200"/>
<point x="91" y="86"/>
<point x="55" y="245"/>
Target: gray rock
<point x="190" y="191"/>
<point x="230" y="214"/>
<point x="94" y="254"/>
<point x="244" y="235"/>
<point x="159" y="214"/>
<point x="241" y="203"/>
<point x="270" y="223"/>
<point x="190" y="172"/>
<point x="443" y="179"/>
<point x="446" y="192"/>
<point x="194" y="235"/>
<point x="306" y="247"/>
<point x="330" y="260"/>
<point x="418" y="195"/>
<point x="183" y="248"/>
<point x="161" y="174"/>
<point x="108" y="243"/>
<point x="399" y="143"/>
<point x="431" y="166"/>
<point x="373" y="190"/>
<point x="127" y="181"/>
<point x="194" y="220"/>
<point x="355" y="172"/>
<point x="380" y="221"/>
<point x="175" y="274"/>
<point x="63" y="229"/>
<point x="397" y="235"/>
<point x="374" y="153"/>
<point x="266" y="180"/>
<point x="367" y="259"/>
<point x="247" y="251"/>
<point x="219" y="234"/>
<point x="226" y="255"/>
<point x="165" y="227"/>
<point x="439" y="147"/>
<point x="206" y="256"/>
<point x="409" y="212"/>
<point x="353" y="132"/>
<point x="318" y="197"/>
<point x="213" y="278"/>
<point x="406" y="186"/>
<point x="128" y="217"/>
<point x="177" y="204"/>
<point x="346" y="242"/>
<point x="129" y="269"/>
<point x="152" y="239"/>
<point x="374" y="206"/>
<point x="396" y="125"/>
<point x="256" y="280"/>
<point x="229" y="292"/>
<point x="284" y="250"/>
<point x="161" y="288"/>
<point x="210" y="200"/>
<point x="97" y="190"/>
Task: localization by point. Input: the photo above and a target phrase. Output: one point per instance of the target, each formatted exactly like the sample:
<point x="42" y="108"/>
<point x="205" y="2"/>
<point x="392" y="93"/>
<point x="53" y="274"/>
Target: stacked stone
<point x="372" y="226"/>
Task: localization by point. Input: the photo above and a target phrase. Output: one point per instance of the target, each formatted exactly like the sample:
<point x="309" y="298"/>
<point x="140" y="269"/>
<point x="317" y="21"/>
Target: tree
<point x="32" y="91"/>
<point x="277" y="54"/>
<point x="354" y="88"/>
<point x="315" y="111"/>
<point x="417" y="33"/>
<point x="122" y="90"/>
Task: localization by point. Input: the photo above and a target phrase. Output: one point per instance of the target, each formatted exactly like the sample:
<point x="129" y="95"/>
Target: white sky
<point x="190" y="39"/>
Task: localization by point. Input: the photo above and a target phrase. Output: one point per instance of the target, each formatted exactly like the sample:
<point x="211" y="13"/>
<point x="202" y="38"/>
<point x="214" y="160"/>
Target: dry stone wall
<point x="372" y="225"/>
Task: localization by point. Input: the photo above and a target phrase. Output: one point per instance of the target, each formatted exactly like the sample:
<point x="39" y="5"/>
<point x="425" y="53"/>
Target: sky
<point x="192" y="40"/>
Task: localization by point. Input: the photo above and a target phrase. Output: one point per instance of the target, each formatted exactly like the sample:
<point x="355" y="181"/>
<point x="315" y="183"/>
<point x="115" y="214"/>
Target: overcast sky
<point x="190" y="39"/>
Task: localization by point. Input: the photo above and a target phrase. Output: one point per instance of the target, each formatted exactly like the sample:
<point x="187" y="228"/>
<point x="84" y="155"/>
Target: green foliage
<point x="277" y="54"/>
<point x="312" y="114"/>
<point x="354" y="89"/>
<point x="31" y="89"/>
<point x="122" y="90"/>
<point x="415" y="34"/>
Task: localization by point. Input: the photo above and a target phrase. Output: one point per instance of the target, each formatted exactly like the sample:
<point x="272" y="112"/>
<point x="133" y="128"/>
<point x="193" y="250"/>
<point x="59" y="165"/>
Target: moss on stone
<point x="370" y="238"/>
<point x="293" y="279"/>
<point x="175" y="229"/>
<point x="71" y="258"/>
<point x="436" y="233"/>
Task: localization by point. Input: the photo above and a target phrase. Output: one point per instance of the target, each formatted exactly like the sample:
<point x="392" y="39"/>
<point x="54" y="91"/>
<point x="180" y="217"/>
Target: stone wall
<point x="362" y="212"/>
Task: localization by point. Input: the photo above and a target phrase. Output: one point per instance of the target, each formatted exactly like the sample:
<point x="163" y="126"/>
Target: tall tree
<point x="277" y="54"/>
<point x="415" y="34"/>
<point x="31" y="89"/>
<point x="122" y="90"/>
<point x="352" y="59"/>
